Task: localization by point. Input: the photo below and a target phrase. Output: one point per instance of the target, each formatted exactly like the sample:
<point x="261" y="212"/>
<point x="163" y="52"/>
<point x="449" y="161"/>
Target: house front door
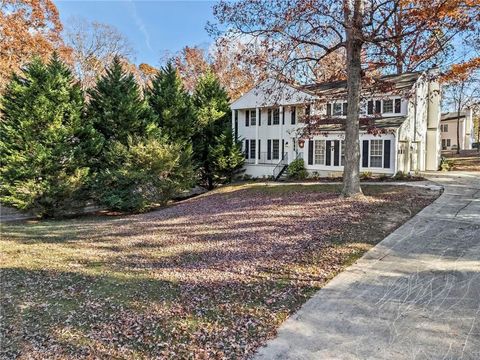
<point x="332" y="153"/>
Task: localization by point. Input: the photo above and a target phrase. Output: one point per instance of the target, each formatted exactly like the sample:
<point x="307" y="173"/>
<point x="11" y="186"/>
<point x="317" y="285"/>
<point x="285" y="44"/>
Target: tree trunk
<point x="351" y="173"/>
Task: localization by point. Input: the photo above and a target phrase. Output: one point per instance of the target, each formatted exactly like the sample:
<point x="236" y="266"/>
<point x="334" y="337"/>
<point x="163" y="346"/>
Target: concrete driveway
<point x="416" y="295"/>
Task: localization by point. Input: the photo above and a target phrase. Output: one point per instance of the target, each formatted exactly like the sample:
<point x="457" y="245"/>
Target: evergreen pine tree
<point x="116" y="106"/>
<point x="171" y="103"/>
<point x="226" y="157"/>
<point x="44" y="140"/>
<point x="212" y="120"/>
<point x="138" y="167"/>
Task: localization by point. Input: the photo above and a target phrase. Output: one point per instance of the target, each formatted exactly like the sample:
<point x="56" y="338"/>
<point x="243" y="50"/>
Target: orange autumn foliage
<point x="28" y="28"/>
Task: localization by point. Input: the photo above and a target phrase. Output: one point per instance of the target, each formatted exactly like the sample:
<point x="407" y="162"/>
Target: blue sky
<point x="153" y="27"/>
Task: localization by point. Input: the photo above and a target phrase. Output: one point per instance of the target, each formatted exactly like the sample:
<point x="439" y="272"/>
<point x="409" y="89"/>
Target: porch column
<point x="257" y="155"/>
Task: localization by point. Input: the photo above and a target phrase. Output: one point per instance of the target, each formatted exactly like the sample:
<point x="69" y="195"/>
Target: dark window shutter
<point x="310" y="152"/>
<point x="345" y="106"/>
<point x="259" y="149"/>
<point x="269" y="149"/>
<point x="246" y="149"/>
<point x="293" y="115"/>
<point x="328" y="153"/>
<point x="378" y="106"/>
<point x="398" y="106"/>
<point x="336" y="152"/>
<point x="259" y="117"/>
<point x="365" y="153"/>
<point x="283" y="149"/>
<point x="283" y="115"/>
<point x="236" y="124"/>
<point x="386" y="153"/>
<point x="370" y="107"/>
<point x="269" y="117"/>
<point x="329" y="109"/>
<point x="307" y="110"/>
<point x="247" y="117"/>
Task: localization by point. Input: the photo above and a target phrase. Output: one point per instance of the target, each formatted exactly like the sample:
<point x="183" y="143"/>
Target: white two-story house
<point x="448" y="130"/>
<point x="399" y="126"/>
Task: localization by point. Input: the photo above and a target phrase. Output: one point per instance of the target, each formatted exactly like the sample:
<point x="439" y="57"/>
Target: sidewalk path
<point x="416" y="295"/>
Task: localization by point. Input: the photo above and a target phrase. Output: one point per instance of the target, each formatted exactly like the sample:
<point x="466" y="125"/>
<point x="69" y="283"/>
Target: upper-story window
<point x="293" y="115"/>
<point x="388" y="106"/>
<point x="253" y="117"/>
<point x="337" y="109"/>
<point x="444" y="128"/>
<point x="276" y="116"/>
<point x="385" y="106"/>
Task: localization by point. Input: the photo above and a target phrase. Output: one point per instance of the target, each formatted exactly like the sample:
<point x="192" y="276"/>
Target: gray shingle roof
<point x="453" y="115"/>
<point x="391" y="82"/>
<point x="365" y="123"/>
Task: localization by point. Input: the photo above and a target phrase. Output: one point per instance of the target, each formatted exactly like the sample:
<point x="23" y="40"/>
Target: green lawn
<point x="210" y="277"/>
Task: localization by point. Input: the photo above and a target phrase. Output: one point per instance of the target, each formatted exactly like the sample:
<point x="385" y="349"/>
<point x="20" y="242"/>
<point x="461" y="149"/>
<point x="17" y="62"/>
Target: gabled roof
<point x="271" y="92"/>
<point x="453" y="115"/>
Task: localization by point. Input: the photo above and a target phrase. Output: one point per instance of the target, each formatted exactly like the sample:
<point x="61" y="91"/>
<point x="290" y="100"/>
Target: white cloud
<point x="139" y="22"/>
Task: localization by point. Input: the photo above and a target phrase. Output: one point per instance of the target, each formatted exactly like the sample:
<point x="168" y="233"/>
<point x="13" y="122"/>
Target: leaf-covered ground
<point x="467" y="160"/>
<point x="211" y="277"/>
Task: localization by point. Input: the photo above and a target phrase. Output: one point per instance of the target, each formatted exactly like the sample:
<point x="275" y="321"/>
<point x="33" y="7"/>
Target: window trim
<point x="276" y="115"/>
<point x="315" y="142"/>
<point x="370" y="153"/>
<point x="253" y="149"/>
<point x="383" y="106"/>
<point x="253" y="117"/>
<point x="273" y="149"/>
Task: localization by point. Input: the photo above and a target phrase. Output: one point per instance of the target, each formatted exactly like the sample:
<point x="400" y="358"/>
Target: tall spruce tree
<point x="212" y="112"/>
<point x="226" y="157"/>
<point x="44" y="140"/>
<point x="117" y="108"/>
<point x="137" y="167"/>
<point x="171" y="103"/>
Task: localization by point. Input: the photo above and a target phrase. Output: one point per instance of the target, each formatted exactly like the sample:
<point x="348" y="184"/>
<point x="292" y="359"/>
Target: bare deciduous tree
<point x="94" y="45"/>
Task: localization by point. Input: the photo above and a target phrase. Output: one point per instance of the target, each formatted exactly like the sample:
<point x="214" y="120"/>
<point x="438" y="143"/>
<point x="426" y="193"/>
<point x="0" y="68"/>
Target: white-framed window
<point x="387" y="106"/>
<point x="337" y="109"/>
<point x="253" y="149"/>
<point x="276" y="116"/>
<point x="319" y="152"/>
<point x="444" y="127"/>
<point x="376" y="153"/>
<point x="253" y="117"/>
<point x="275" y="149"/>
<point x="363" y="107"/>
<point x="449" y="142"/>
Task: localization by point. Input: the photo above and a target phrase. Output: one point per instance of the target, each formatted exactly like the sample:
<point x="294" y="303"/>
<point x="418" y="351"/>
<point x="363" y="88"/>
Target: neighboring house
<point x="448" y="130"/>
<point x="399" y="126"/>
